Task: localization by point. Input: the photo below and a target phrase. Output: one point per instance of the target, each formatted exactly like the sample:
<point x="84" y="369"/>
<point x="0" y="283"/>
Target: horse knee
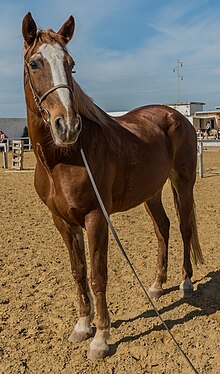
<point x="98" y="285"/>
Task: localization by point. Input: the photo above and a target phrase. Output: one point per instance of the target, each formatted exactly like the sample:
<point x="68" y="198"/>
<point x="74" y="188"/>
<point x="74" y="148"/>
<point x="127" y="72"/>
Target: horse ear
<point x="67" y="30"/>
<point x="29" y="29"/>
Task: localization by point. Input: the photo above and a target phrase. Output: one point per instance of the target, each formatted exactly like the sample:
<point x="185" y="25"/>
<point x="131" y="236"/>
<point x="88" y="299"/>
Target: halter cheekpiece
<point x="38" y="100"/>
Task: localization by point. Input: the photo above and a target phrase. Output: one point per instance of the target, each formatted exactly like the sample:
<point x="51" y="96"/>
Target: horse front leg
<point x="73" y="238"/>
<point x="97" y="231"/>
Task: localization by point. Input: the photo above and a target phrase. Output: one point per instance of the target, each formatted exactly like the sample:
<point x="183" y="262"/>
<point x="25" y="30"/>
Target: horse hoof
<point x="155" y="293"/>
<point x="98" y="352"/>
<point x="186" y="292"/>
<point x="78" y="337"/>
<point x="186" y="288"/>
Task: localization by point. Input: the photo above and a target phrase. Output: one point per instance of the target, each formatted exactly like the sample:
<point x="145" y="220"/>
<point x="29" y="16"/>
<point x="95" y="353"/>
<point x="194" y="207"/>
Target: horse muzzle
<point x="65" y="133"/>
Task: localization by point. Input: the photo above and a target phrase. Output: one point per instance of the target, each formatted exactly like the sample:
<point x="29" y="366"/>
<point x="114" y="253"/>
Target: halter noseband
<point x="38" y="100"/>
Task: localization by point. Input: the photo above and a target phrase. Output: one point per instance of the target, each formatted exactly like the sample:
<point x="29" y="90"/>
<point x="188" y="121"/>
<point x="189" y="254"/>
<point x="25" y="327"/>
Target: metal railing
<point x="201" y="143"/>
<point x="26" y="143"/>
<point x="6" y="146"/>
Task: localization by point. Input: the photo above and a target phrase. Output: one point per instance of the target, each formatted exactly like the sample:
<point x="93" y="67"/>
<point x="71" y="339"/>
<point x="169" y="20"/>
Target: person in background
<point x="208" y="127"/>
<point x="2" y="136"/>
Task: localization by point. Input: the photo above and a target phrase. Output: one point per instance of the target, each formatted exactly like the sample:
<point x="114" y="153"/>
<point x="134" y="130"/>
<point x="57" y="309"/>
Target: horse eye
<point x="33" y="65"/>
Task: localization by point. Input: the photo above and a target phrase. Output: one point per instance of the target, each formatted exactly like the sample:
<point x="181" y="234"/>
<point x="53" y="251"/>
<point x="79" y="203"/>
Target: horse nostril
<point x="59" y="125"/>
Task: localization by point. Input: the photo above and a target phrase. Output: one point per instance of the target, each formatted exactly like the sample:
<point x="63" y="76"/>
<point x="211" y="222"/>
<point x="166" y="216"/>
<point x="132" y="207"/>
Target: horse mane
<point x="88" y="108"/>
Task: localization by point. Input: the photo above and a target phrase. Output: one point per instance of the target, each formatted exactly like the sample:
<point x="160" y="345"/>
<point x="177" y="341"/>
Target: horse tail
<point x="195" y="249"/>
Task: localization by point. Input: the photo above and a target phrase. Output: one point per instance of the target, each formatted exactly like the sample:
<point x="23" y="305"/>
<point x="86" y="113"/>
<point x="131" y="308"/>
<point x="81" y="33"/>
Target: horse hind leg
<point x="161" y="226"/>
<point x="184" y="203"/>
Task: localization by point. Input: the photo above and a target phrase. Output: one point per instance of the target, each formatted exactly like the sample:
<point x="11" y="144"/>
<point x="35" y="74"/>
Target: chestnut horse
<point x="130" y="157"/>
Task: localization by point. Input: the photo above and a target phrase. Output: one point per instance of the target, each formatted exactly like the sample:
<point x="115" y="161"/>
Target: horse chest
<point x="63" y="192"/>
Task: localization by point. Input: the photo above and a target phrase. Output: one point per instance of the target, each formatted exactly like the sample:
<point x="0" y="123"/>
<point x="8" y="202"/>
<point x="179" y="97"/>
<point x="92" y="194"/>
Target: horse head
<point x="49" y="87"/>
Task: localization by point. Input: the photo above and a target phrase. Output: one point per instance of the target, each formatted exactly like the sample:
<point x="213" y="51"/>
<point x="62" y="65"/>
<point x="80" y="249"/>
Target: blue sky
<point x="125" y="50"/>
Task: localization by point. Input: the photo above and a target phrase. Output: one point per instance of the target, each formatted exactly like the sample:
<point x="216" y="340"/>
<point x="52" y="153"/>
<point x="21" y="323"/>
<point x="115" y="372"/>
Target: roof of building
<point x="187" y="103"/>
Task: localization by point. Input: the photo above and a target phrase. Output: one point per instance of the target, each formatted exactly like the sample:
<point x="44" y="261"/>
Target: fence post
<point x="4" y="155"/>
<point x="200" y="157"/>
<point x="17" y="154"/>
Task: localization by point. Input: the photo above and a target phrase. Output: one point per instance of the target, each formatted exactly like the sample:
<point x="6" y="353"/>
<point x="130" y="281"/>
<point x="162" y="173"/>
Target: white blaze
<point x="55" y="57"/>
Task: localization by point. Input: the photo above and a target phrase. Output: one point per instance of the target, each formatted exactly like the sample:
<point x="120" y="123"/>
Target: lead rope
<point x="129" y="262"/>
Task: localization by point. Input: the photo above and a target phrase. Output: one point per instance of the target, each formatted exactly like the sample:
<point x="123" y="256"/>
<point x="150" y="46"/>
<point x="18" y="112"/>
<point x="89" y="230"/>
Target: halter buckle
<point x="43" y="112"/>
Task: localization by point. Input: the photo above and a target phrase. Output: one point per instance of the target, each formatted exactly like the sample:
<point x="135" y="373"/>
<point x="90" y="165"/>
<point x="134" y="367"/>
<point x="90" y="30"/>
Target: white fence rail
<point x="26" y="143"/>
<point x="201" y="143"/>
<point x="6" y="146"/>
<point x="3" y="147"/>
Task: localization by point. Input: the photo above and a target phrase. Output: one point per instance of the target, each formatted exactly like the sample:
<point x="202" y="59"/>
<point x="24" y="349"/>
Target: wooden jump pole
<point x="200" y="157"/>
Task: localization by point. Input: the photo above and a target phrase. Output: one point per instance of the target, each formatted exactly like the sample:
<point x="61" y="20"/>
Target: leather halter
<point x="38" y="100"/>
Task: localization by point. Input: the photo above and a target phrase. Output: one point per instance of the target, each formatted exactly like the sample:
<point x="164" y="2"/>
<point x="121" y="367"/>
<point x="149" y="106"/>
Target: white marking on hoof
<point x="98" y="348"/>
<point x="186" y="287"/>
<point x="79" y="337"/>
<point x="98" y="352"/>
<point x="155" y="293"/>
<point x="82" y="330"/>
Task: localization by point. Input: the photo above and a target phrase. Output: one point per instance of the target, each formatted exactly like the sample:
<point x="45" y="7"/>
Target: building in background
<point x="16" y="127"/>
<point x="13" y="127"/>
<point x="200" y="119"/>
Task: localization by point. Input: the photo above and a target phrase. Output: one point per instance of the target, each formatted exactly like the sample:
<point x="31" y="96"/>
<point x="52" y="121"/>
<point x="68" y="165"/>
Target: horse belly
<point x="141" y="184"/>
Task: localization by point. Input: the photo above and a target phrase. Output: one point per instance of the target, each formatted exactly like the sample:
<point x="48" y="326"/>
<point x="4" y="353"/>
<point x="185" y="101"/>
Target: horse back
<point x="167" y="146"/>
<point x="164" y="123"/>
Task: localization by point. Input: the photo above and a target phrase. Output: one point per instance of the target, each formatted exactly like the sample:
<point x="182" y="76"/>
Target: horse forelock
<point x="45" y="36"/>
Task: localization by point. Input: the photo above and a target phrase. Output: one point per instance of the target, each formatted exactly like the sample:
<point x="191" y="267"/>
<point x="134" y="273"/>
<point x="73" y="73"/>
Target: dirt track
<point x="38" y="301"/>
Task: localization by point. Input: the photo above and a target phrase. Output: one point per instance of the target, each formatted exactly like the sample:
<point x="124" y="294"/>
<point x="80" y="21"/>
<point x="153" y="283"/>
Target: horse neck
<point x="94" y="117"/>
<point x="98" y="128"/>
<point x="88" y="108"/>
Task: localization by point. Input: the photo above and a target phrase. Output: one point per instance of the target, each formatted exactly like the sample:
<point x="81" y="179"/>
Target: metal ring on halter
<point x="80" y="122"/>
<point x="80" y="126"/>
<point x="43" y="111"/>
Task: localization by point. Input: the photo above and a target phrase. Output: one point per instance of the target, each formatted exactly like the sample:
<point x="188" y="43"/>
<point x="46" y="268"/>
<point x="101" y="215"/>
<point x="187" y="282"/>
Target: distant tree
<point x="25" y="132"/>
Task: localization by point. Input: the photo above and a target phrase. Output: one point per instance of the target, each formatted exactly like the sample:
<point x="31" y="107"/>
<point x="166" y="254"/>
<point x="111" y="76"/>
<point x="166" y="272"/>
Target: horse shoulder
<point x="45" y="187"/>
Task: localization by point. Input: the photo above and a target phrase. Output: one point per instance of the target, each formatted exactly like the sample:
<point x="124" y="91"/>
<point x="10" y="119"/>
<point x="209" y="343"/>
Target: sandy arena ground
<point x="38" y="303"/>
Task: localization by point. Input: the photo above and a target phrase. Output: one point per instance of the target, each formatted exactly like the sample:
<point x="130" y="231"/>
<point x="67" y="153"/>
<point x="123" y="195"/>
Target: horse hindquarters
<point x="183" y="175"/>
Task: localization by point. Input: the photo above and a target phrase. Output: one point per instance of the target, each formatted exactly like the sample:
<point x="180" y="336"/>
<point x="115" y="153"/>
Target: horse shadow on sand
<point x="206" y="298"/>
